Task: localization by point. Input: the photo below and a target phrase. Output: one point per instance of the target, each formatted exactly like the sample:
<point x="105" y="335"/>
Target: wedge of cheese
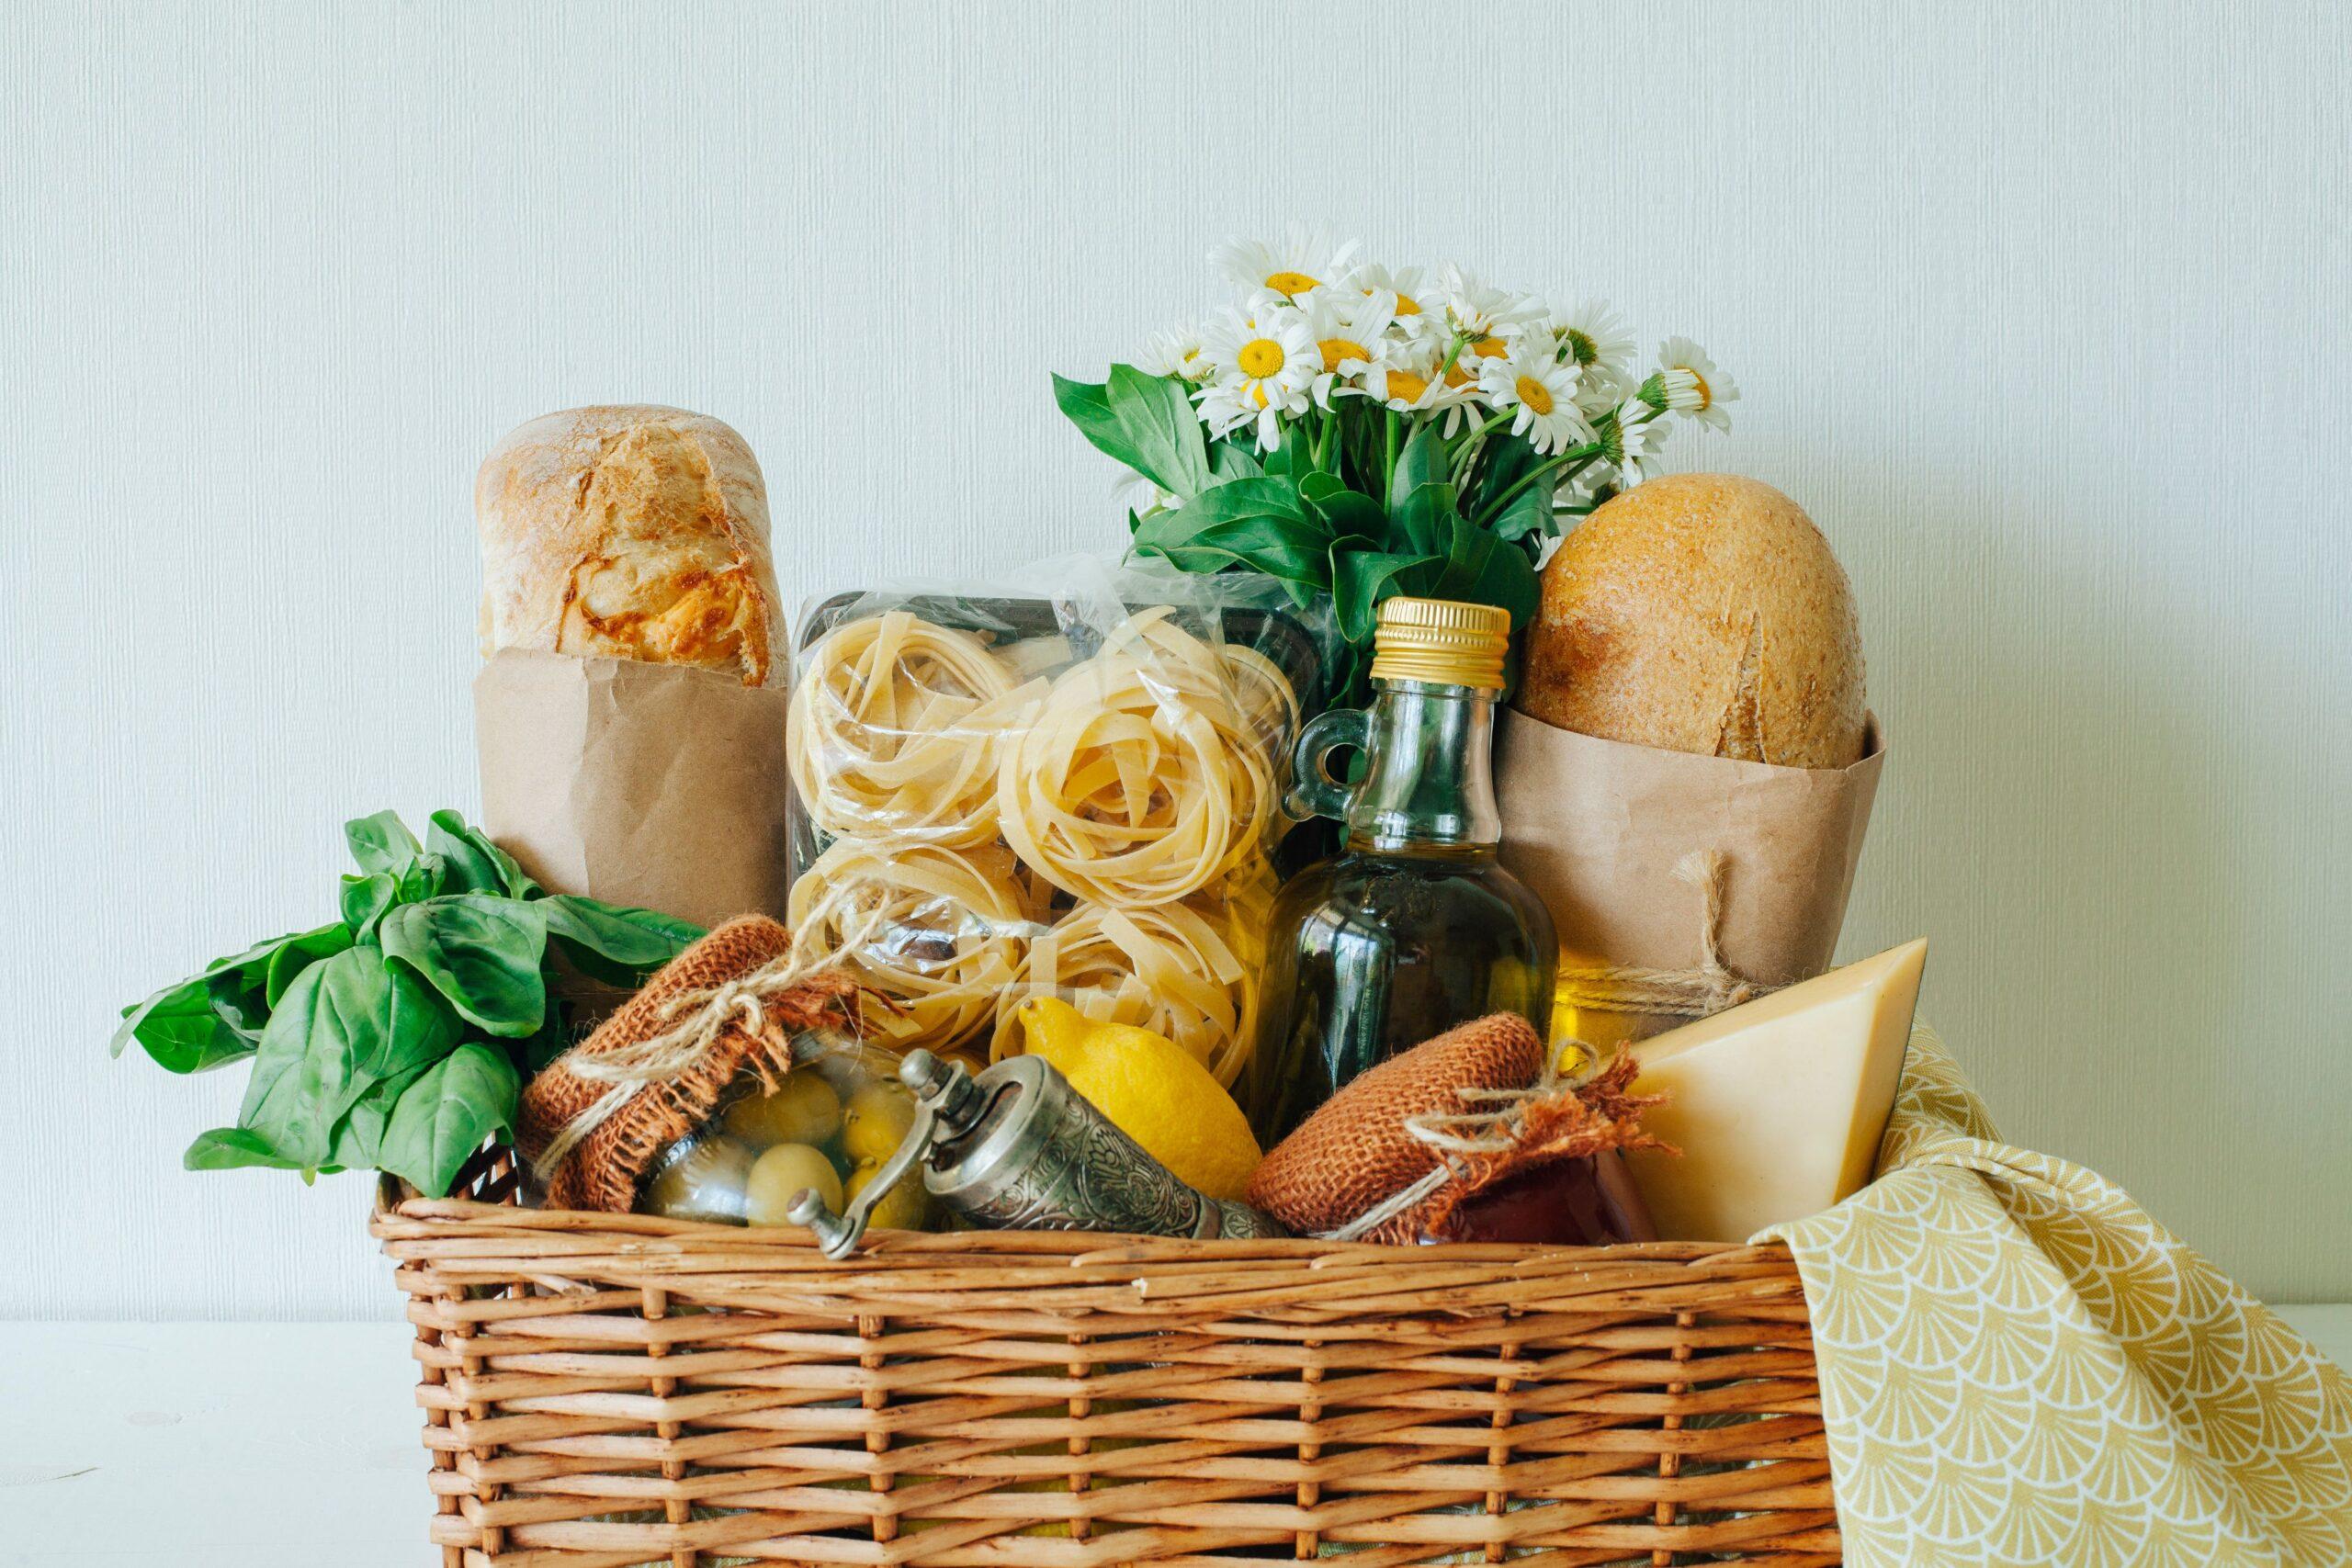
<point x="1778" y="1106"/>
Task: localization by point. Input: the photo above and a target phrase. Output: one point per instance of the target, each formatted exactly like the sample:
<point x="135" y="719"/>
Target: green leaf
<point x="1087" y="406"/>
<point x="611" y="941"/>
<point x="1157" y="420"/>
<point x="381" y="842"/>
<point x="358" y="1137"/>
<point x="1184" y="534"/>
<point x="1233" y="459"/>
<point x="233" y="1148"/>
<point x="211" y="1017"/>
<point x="346" y="1023"/>
<point x="475" y="864"/>
<point x="367" y="899"/>
<point x="1360" y="579"/>
<point x="480" y="952"/>
<point x="446" y="1114"/>
<point x="1293" y="457"/>
<point x="1424" y="522"/>
<point x="1343" y="512"/>
<point x="297" y="952"/>
<point x="1529" y="511"/>
<point x="1484" y="569"/>
<point x="1422" y="462"/>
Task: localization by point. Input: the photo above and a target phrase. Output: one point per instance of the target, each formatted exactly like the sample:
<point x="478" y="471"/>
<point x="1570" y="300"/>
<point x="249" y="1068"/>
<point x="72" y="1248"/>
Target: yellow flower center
<point x="1337" y="351"/>
<point x="1261" y="357"/>
<point x="1291" y="284"/>
<point x="1407" y="388"/>
<point x="1706" y="394"/>
<point x="1535" y="394"/>
<point x="1457" y="376"/>
<point x="1258" y="393"/>
<point x="1406" y="304"/>
<point x="1488" y="348"/>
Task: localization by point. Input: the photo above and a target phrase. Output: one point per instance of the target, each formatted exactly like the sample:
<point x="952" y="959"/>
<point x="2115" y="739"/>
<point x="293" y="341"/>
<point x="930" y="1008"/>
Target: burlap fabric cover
<point x="1356" y="1150"/>
<point x="602" y="1171"/>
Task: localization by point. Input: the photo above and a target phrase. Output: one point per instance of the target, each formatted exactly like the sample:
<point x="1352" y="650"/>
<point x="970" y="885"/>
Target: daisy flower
<point x="1598" y="340"/>
<point x="1413" y="317"/>
<point x="1531" y="379"/>
<point x="1478" y="310"/>
<point x="1265" y="364"/>
<point x="1175" y="352"/>
<point x="1687" y="382"/>
<point x="1349" y="334"/>
<point x="1303" y="261"/>
<point x="1632" y="443"/>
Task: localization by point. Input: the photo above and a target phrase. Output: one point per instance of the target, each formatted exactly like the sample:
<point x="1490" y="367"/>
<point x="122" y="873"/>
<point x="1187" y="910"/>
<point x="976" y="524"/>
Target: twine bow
<point x="696" y="1020"/>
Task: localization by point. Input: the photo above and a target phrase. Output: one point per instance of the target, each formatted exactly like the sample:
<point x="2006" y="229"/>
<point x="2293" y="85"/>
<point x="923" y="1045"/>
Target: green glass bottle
<point x="1414" y="926"/>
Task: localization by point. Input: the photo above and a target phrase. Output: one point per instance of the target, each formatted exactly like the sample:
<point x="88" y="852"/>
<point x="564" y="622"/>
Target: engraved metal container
<point x="1017" y="1148"/>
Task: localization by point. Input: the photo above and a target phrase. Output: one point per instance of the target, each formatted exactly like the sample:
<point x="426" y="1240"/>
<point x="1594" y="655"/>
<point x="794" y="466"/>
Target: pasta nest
<point x="942" y="932"/>
<point x="1148" y="771"/>
<point x="894" y="731"/>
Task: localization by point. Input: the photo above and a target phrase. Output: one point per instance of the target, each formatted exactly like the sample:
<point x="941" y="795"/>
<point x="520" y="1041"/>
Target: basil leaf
<point x="1158" y="423"/>
<point x="184" y="1026"/>
<point x="1484" y="569"/>
<point x="359" y="1136"/>
<point x="611" y="941"/>
<point x="446" y="1114"/>
<point x="346" y="1023"/>
<point x="480" y="952"/>
<point x="231" y="1149"/>
<point x="475" y="864"/>
<point x="381" y="842"/>
<point x="1293" y="457"/>
<point x="1232" y="459"/>
<point x="296" y="954"/>
<point x="367" y="899"/>
<point x="1343" y="512"/>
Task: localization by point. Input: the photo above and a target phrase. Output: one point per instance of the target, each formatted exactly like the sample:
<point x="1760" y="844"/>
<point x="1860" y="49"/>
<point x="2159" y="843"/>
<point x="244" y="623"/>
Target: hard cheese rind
<point x="1778" y="1106"/>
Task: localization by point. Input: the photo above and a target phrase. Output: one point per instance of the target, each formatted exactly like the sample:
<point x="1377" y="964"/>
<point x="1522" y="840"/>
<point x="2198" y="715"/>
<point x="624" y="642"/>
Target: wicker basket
<point x="609" y="1390"/>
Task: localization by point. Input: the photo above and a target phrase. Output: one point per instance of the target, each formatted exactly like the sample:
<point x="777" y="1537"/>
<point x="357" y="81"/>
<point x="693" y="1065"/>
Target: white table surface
<point x="293" y="1445"/>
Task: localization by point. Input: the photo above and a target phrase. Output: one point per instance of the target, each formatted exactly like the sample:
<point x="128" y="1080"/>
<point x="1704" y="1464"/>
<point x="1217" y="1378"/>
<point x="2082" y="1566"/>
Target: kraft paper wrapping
<point x="1597" y="827"/>
<point x="658" y="785"/>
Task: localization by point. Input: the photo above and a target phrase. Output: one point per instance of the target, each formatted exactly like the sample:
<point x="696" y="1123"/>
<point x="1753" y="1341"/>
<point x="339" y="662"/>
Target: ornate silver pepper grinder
<point x="1017" y="1148"/>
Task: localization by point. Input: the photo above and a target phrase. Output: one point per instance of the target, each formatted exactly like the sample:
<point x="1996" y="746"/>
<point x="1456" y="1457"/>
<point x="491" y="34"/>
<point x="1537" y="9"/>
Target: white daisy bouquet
<point x="1356" y="431"/>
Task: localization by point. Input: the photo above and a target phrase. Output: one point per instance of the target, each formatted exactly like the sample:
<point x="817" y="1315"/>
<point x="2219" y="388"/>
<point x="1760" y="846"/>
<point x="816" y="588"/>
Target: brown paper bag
<point x="660" y="785"/>
<point x="1600" y="830"/>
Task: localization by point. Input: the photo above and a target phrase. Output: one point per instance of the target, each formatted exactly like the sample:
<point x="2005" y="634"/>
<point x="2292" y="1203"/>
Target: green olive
<point x="803" y="1110"/>
<point x="905" y="1207"/>
<point x="877" y="1121"/>
<point x="782" y="1174"/>
<point x="706" y="1182"/>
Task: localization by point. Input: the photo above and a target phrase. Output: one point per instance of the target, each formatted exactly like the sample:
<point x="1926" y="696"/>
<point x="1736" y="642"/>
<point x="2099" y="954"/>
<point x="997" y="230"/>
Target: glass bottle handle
<point x="1313" y="791"/>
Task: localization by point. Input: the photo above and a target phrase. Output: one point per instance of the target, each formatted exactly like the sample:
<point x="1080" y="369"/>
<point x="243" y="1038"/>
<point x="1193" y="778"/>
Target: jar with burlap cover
<point x="731" y="1005"/>
<point x="1393" y="1154"/>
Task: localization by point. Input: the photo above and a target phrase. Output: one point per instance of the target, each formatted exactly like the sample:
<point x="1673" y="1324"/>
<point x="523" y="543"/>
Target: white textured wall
<point x="2042" y="314"/>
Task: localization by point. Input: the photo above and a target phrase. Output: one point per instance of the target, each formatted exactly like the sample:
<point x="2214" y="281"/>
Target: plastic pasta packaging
<point x="1070" y="786"/>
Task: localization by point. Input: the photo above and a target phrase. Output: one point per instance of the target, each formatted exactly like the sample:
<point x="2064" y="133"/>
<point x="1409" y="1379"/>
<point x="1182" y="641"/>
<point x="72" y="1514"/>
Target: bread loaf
<point x="631" y="532"/>
<point x="1701" y="612"/>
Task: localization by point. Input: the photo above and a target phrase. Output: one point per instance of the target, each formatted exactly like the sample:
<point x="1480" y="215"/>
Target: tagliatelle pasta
<point x="894" y="731"/>
<point x="942" y="932"/>
<point x="1169" y="969"/>
<point x="1148" y="771"/>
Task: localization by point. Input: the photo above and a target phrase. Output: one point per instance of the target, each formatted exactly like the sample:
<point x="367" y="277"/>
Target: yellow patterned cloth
<point x="2020" y="1366"/>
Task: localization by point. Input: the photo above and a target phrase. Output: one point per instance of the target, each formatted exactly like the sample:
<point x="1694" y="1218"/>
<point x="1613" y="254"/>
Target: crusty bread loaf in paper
<point x="628" y="532"/>
<point x="1701" y="612"/>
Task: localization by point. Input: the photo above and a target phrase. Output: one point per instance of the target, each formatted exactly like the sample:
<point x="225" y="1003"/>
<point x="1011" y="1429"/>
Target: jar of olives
<point x="826" y="1126"/>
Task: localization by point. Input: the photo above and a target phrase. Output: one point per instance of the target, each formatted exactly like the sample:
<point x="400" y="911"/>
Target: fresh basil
<point x="482" y="953"/>
<point x="397" y="1038"/>
<point x="447" y="1113"/>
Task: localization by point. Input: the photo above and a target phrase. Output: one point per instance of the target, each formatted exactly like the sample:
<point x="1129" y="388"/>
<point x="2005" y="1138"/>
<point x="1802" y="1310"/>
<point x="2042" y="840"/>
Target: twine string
<point x="696" y="1020"/>
<point x="1491" y="1120"/>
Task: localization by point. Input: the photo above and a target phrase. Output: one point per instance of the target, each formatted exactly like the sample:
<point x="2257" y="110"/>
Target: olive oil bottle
<point x="1413" y="927"/>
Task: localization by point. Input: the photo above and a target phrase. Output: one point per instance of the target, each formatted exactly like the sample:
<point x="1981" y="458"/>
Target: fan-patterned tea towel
<point x="2020" y="1366"/>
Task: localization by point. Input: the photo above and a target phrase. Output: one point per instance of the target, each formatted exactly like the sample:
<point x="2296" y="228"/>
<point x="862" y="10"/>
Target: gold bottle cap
<point x="1442" y="641"/>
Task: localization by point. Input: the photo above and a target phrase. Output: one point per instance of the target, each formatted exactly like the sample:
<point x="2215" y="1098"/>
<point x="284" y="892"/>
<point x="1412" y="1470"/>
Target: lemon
<point x="877" y="1121"/>
<point x="1152" y="1089"/>
<point x="777" y="1178"/>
